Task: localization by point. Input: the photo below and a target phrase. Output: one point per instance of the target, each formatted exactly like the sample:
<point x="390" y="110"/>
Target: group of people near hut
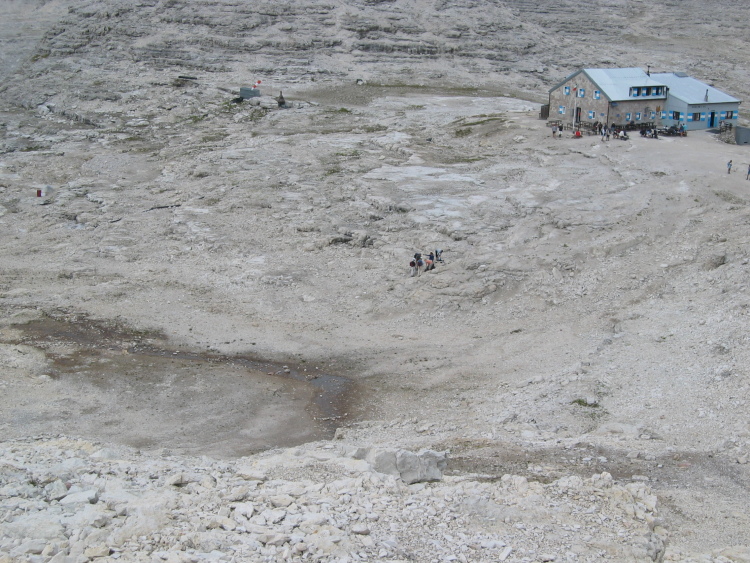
<point x="620" y="131"/>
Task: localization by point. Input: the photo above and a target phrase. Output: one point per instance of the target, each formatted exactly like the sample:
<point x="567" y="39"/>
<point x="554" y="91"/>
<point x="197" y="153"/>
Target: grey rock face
<point x="426" y="465"/>
<point x="529" y="43"/>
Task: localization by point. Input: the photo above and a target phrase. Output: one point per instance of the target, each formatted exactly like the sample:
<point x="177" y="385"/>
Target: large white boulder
<point x="410" y="467"/>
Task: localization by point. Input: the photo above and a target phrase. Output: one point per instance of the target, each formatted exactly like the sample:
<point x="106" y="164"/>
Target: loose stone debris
<point x="67" y="500"/>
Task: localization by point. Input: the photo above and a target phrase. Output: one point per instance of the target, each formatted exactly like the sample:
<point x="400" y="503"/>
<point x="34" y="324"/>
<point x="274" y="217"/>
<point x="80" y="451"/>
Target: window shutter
<point x="703" y="117"/>
<point x="722" y="115"/>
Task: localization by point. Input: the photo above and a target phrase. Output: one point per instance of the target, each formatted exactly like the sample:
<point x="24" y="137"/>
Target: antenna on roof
<point x="648" y="70"/>
<point x="705" y="98"/>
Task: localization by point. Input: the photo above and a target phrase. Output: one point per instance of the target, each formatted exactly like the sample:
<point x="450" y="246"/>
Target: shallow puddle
<point x="110" y="383"/>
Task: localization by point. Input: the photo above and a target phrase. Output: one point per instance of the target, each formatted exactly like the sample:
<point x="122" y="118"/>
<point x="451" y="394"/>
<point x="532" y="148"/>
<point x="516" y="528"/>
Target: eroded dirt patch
<point x="107" y="382"/>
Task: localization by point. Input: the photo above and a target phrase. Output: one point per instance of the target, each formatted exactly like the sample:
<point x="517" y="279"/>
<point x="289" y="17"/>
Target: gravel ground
<point x="205" y="277"/>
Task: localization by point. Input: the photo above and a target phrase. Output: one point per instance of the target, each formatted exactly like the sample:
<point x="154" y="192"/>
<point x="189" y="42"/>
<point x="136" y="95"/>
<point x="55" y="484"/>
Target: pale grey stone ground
<point x="589" y="319"/>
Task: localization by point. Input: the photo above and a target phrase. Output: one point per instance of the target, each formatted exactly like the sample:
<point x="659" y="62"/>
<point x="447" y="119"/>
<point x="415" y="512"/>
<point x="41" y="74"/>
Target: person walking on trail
<point x="729" y="167"/>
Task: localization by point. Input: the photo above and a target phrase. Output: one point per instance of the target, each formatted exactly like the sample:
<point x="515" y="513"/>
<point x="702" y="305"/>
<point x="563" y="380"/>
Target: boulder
<point x="56" y="490"/>
<point x="89" y="496"/>
<point x="273" y="539"/>
<point x="38" y="525"/>
<point x="281" y="501"/>
<point x="33" y="547"/>
<point x="96" y="551"/>
<point x="250" y="473"/>
<point x="410" y="467"/>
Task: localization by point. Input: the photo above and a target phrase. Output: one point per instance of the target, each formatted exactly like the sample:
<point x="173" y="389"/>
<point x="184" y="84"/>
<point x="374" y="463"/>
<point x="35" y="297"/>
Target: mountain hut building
<point x="631" y="96"/>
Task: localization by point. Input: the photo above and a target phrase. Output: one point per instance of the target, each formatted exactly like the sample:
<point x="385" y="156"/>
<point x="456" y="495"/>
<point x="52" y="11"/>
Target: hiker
<point x="729" y="167"/>
<point x="748" y="173"/>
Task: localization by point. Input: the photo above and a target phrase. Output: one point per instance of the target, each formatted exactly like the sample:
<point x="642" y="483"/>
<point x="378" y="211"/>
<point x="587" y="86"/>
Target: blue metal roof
<point x="692" y="91"/>
<point x="615" y="83"/>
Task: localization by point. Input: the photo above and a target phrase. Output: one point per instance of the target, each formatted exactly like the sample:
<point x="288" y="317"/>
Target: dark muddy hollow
<point x="111" y="383"/>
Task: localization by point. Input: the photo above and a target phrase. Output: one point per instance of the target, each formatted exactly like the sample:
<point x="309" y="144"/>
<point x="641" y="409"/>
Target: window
<point x="730" y="115"/>
<point x="566" y="90"/>
<point x="561" y="110"/>
<point x="597" y="95"/>
<point x="581" y="92"/>
<point x="592" y="114"/>
<point x="675" y="115"/>
<point x="647" y="91"/>
<point x="696" y="117"/>
<point x="638" y="116"/>
<point x="635" y="92"/>
<point x="627" y="117"/>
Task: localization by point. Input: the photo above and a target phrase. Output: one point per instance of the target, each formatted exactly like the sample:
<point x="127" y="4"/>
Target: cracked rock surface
<point x="211" y="347"/>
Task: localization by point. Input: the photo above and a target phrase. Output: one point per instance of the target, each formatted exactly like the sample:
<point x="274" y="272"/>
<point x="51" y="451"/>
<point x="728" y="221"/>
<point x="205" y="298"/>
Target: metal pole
<point x="609" y="104"/>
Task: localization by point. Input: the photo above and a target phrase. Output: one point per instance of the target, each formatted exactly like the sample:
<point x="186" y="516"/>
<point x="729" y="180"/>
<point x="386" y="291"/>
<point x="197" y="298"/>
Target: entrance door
<point x="712" y="121"/>
<point x="578" y="115"/>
